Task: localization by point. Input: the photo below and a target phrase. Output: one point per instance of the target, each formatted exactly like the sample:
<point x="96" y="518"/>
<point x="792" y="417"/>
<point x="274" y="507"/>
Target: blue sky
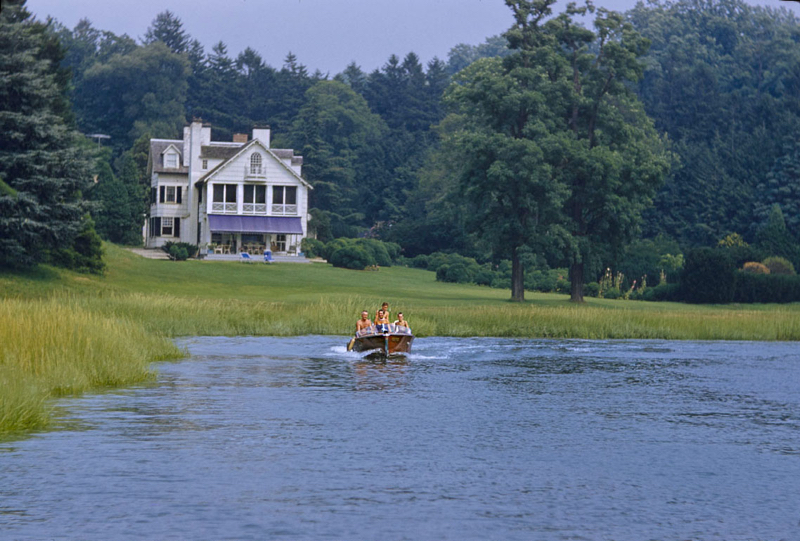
<point x="323" y="34"/>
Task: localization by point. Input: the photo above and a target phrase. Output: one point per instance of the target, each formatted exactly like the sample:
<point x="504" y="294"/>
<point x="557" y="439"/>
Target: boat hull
<point x="385" y="344"/>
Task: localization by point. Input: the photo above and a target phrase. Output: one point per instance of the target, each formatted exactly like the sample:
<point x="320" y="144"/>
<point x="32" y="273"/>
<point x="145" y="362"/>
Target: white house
<point x="231" y="197"/>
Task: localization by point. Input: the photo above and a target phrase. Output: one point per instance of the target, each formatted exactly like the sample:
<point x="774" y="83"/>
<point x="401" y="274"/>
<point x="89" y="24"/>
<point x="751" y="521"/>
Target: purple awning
<point x="254" y="224"/>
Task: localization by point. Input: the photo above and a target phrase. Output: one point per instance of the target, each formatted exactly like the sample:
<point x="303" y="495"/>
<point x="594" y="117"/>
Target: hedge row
<point x="356" y="254"/>
<point x="766" y="287"/>
<point x="710" y="276"/>
<point x="464" y="270"/>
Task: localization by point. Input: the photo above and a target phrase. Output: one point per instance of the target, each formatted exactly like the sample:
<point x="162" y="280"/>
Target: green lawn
<point x="65" y="333"/>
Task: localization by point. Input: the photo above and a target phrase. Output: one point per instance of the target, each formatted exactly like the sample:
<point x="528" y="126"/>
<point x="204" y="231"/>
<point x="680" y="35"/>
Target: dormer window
<point x="255" y="164"/>
<point x="171" y="160"/>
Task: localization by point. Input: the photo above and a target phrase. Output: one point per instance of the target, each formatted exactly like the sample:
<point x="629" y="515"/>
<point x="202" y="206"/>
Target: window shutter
<point x="158" y="227"/>
<point x="162" y="192"/>
<point x="178" y="198"/>
<point x="177" y="229"/>
<point x="152" y="195"/>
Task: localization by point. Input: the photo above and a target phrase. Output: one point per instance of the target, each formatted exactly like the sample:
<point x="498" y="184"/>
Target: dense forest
<point x="690" y="108"/>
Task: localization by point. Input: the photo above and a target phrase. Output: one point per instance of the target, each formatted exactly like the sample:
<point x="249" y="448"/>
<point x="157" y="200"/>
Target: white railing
<point x="223" y="207"/>
<point x="259" y="171"/>
<point x="284" y="209"/>
<point x="254" y="208"/>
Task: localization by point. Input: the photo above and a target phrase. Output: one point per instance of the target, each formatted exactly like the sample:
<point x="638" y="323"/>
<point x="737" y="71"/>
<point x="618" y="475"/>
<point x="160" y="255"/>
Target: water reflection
<point x="381" y="374"/>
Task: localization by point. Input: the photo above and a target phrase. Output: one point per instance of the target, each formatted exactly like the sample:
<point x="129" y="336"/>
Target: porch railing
<point x="223" y="207"/>
<point x="254" y="208"/>
<point x="255" y="172"/>
<point x="284" y="209"/>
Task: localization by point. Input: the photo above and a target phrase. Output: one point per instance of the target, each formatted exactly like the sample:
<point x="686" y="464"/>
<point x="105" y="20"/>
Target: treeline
<point x="718" y="79"/>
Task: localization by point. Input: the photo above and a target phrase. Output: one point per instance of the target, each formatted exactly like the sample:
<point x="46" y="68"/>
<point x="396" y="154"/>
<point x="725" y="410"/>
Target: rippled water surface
<point x="465" y="439"/>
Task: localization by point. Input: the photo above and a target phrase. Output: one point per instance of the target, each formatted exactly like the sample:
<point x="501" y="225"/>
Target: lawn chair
<point x="246" y="257"/>
<point x="268" y="256"/>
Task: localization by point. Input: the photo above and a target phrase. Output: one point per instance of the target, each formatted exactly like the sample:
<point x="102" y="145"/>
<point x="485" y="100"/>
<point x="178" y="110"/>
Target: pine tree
<point x="168" y="29"/>
<point x="43" y="162"/>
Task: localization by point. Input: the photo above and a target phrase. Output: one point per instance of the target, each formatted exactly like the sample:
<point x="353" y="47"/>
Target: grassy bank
<point x="65" y="333"/>
<point x="55" y="348"/>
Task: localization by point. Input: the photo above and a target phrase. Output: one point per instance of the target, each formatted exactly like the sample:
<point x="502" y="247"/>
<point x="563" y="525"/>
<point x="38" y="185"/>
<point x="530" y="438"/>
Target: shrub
<point x="458" y="273"/>
<point x="779" y="265"/>
<point x="755" y="268"/>
<point x="612" y="293"/>
<point x="189" y="248"/>
<point x="332" y="246"/>
<point x="767" y="288"/>
<point x="86" y="252"/>
<point x="441" y="273"/>
<point x="351" y="257"/>
<point x="485" y="277"/>
<point x="563" y="286"/>
<point x="178" y="253"/>
<point x="377" y="251"/>
<point x="312" y="247"/>
<point x="662" y="292"/>
<point x="419" y="262"/>
<point x="708" y="277"/>
<point x="592" y="289"/>
<point x="394" y="250"/>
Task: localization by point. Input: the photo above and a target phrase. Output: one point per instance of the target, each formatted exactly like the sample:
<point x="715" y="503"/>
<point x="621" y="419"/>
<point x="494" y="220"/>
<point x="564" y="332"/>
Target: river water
<point x="465" y="439"/>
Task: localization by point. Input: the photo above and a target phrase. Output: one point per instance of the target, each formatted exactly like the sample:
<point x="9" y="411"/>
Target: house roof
<point x="215" y="152"/>
<point x="279" y="154"/>
<point x="157" y="148"/>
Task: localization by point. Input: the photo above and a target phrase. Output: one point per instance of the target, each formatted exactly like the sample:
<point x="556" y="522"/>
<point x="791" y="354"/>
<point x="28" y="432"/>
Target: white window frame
<point x="165" y="220"/>
<point x="251" y="206"/>
<point x="256" y="164"/>
<point x="283" y="208"/>
<point x="224" y="205"/>
<point x="171" y="160"/>
<point x="170" y="194"/>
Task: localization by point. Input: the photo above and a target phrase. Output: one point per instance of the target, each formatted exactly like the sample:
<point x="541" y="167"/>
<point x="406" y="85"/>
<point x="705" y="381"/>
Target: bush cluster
<point x="710" y="276"/>
<point x="312" y="247"/>
<point x="707" y="276"/>
<point x="466" y="270"/>
<point x="358" y="254"/>
<point x="766" y="287"/>
<point x="180" y="251"/>
<point x="779" y="265"/>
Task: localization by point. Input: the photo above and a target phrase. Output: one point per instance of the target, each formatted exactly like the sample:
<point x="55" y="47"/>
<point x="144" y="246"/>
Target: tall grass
<point x="176" y="316"/>
<point x="56" y="347"/>
<point x="64" y="333"/>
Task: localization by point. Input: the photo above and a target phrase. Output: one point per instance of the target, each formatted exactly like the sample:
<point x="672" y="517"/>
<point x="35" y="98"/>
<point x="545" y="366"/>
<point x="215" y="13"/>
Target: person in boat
<point x="382" y="322"/>
<point x="401" y="322"/>
<point x="363" y="324"/>
<point x="385" y="308"/>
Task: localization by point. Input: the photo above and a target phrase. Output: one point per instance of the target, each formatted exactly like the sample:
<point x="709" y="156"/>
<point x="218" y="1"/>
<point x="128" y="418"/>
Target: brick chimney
<point x="239" y="137"/>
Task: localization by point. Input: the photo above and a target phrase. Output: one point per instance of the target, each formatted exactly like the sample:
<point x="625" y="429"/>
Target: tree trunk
<point x="517" y="277"/>
<point x="576" y="281"/>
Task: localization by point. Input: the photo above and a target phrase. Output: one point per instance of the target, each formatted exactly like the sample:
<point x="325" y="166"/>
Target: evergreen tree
<point x="782" y="187"/>
<point x="168" y="29"/>
<point x="340" y="141"/>
<point x="113" y="216"/>
<point x="43" y="163"/>
<point x="775" y="240"/>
